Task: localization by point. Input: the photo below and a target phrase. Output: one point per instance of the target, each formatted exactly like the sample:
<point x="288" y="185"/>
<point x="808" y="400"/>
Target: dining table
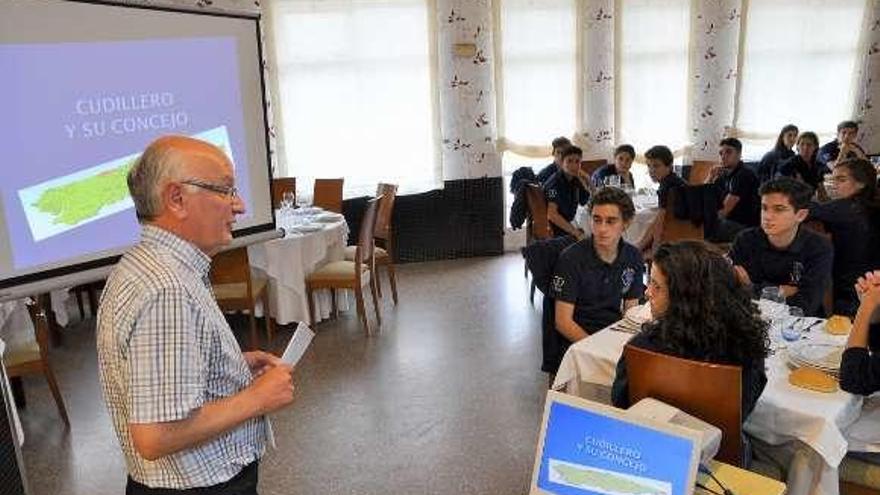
<point x="313" y="237"/>
<point x="814" y="428"/>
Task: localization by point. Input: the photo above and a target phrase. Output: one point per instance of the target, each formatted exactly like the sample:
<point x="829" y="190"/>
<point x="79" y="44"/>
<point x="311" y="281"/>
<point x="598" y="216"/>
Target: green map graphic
<point x="78" y="201"/>
<point x="603" y="481"/>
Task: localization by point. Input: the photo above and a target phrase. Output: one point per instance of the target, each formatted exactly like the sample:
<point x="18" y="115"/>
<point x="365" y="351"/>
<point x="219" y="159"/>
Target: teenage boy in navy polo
<point x="659" y="160"/>
<point x="740" y="204"/>
<point x="599" y="277"/>
<point x="845" y="146"/>
<point x="782" y="253"/>
<point x="565" y="190"/>
<point x="558" y="145"/>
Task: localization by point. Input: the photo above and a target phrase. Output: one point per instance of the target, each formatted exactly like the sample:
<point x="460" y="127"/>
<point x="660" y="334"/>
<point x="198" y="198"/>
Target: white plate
<point x="817" y="355"/>
<point x="638" y="314"/>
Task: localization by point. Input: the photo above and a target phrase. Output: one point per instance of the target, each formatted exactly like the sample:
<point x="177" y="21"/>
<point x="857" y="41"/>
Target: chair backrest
<point x="711" y="392"/>
<point x="37" y="311"/>
<point x="539" y="224"/>
<point x="281" y="185"/>
<point x="365" y="245"/>
<point x="232" y="267"/>
<point x="674" y="228"/>
<point x="328" y="194"/>
<point x="388" y="193"/>
<point x="590" y="166"/>
<point x="700" y="171"/>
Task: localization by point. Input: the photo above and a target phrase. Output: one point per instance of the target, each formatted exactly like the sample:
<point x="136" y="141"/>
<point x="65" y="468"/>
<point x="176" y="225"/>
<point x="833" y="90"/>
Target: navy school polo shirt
<point x="567" y="193"/>
<point x="743" y="183"/>
<point x="597" y="288"/>
<point x="805" y="264"/>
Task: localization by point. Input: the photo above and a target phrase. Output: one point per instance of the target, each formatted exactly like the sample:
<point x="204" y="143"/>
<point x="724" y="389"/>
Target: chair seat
<point x="860" y="472"/>
<point x="24" y="353"/>
<point x="380" y="253"/>
<point x="238" y="290"/>
<point x="336" y="271"/>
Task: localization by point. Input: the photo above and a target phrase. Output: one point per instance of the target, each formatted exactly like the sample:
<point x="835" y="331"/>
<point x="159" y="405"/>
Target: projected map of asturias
<point x="65" y="203"/>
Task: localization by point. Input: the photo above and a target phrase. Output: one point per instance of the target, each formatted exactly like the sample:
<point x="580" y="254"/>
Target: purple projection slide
<point x="78" y="114"/>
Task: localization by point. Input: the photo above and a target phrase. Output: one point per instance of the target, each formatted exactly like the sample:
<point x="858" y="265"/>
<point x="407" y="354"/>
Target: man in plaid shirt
<point x="189" y="408"/>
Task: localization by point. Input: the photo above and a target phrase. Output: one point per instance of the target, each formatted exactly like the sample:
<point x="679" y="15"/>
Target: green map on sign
<point x="76" y="202"/>
<point x="605" y="482"/>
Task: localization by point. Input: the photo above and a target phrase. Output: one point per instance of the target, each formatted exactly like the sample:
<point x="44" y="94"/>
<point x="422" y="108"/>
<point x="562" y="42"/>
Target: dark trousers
<point x="243" y="483"/>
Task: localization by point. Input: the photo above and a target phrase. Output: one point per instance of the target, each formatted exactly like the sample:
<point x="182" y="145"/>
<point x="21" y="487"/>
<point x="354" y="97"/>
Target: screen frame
<point x="620" y="415"/>
<point x="112" y="259"/>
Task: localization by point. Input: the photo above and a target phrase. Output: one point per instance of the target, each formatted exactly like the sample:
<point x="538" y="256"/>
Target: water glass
<point x="773" y="294"/>
<point x="612" y="181"/>
<point x="792" y="326"/>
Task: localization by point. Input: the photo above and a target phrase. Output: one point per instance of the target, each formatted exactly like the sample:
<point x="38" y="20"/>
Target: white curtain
<point x="799" y="64"/>
<point x="354" y="83"/>
<point x="653" y="73"/>
<point x="537" y="77"/>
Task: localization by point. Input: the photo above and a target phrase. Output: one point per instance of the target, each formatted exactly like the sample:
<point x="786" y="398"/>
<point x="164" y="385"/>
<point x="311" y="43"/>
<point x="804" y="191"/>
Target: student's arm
<point x="554" y="217"/>
<point x="815" y="279"/>
<point x="859" y="370"/>
<point x="729" y="203"/>
<point x="270" y="392"/>
<point x="565" y="323"/>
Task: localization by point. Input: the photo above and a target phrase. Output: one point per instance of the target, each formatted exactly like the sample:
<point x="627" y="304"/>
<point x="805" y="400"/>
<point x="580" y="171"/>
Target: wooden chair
<point x="711" y="392"/>
<point x="859" y="477"/>
<point x="354" y="274"/>
<point x="538" y="227"/>
<point x="383" y="235"/>
<point x="328" y="194"/>
<point x="590" y="166"/>
<point x="700" y="172"/>
<point x="280" y="186"/>
<point x="31" y="357"/>
<point x="237" y="289"/>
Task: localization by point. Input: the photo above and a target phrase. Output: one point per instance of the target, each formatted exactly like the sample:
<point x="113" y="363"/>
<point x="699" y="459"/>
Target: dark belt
<point x="243" y="483"/>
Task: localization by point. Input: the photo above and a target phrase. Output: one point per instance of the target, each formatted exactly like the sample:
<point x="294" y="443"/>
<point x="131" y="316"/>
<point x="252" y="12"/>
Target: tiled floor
<point x="446" y="399"/>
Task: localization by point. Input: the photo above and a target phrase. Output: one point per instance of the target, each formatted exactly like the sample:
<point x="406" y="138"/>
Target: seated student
<point x="803" y="166"/>
<point x="558" y="144"/>
<point x="659" y="159"/>
<point x="600" y="277"/>
<point x="780" y="152"/>
<point x="844" y="146"/>
<point x="739" y="191"/>
<point x="781" y="253"/>
<point x="623" y="160"/>
<point x="852" y="218"/>
<point x="564" y="191"/>
<point x="701" y="312"/>
<point x="860" y="364"/>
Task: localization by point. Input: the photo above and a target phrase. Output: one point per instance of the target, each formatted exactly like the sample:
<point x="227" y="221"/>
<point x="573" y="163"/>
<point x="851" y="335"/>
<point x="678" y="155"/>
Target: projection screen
<point x="84" y="87"/>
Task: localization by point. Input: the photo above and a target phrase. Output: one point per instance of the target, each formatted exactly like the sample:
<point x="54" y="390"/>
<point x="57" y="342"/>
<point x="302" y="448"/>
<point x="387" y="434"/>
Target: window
<point x="354" y="82"/>
<point x="537" y="75"/>
<point x="653" y="75"/>
<point x="798" y="67"/>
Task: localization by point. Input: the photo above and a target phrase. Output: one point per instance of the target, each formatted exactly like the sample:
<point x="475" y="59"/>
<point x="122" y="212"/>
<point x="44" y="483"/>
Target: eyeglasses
<point x="229" y="191"/>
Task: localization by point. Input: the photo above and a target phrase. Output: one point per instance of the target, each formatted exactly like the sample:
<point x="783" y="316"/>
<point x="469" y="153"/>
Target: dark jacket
<point x="519" y="210"/>
<point x="797" y="168"/>
<point x="541" y="259"/>
<point x="754" y="377"/>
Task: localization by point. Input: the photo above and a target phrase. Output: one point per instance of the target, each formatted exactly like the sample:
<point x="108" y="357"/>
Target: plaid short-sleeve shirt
<point x="164" y="350"/>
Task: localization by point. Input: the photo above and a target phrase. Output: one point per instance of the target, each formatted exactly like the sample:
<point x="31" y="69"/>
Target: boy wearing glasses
<point x="781" y="253"/>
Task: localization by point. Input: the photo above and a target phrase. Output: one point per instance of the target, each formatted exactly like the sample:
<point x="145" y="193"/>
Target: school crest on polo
<point x="626" y="279"/>
<point x="557" y="284"/>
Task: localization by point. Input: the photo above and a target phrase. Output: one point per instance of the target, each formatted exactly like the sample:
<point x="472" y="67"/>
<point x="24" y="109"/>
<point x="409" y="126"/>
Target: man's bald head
<point x="167" y="159"/>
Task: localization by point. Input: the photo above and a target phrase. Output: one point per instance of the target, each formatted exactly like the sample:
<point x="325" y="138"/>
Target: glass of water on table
<point x="793" y="324"/>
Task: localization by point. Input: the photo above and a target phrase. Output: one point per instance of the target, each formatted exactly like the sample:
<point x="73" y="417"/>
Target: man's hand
<point x="273" y="389"/>
<point x="715" y="172"/>
<point x="260" y="362"/>
<point x="742" y="275"/>
<point x="864" y="283"/>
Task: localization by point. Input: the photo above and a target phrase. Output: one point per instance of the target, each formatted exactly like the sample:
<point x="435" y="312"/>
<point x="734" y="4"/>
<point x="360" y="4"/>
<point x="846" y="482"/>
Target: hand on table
<point x="788" y="290"/>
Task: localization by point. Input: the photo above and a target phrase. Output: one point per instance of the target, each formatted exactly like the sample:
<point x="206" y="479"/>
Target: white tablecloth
<point x="646" y="212"/>
<point x="783" y="413"/>
<point x="289" y="260"/>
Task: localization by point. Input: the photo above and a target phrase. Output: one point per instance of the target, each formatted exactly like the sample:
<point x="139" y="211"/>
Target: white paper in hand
<point x="298" y="344"/>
